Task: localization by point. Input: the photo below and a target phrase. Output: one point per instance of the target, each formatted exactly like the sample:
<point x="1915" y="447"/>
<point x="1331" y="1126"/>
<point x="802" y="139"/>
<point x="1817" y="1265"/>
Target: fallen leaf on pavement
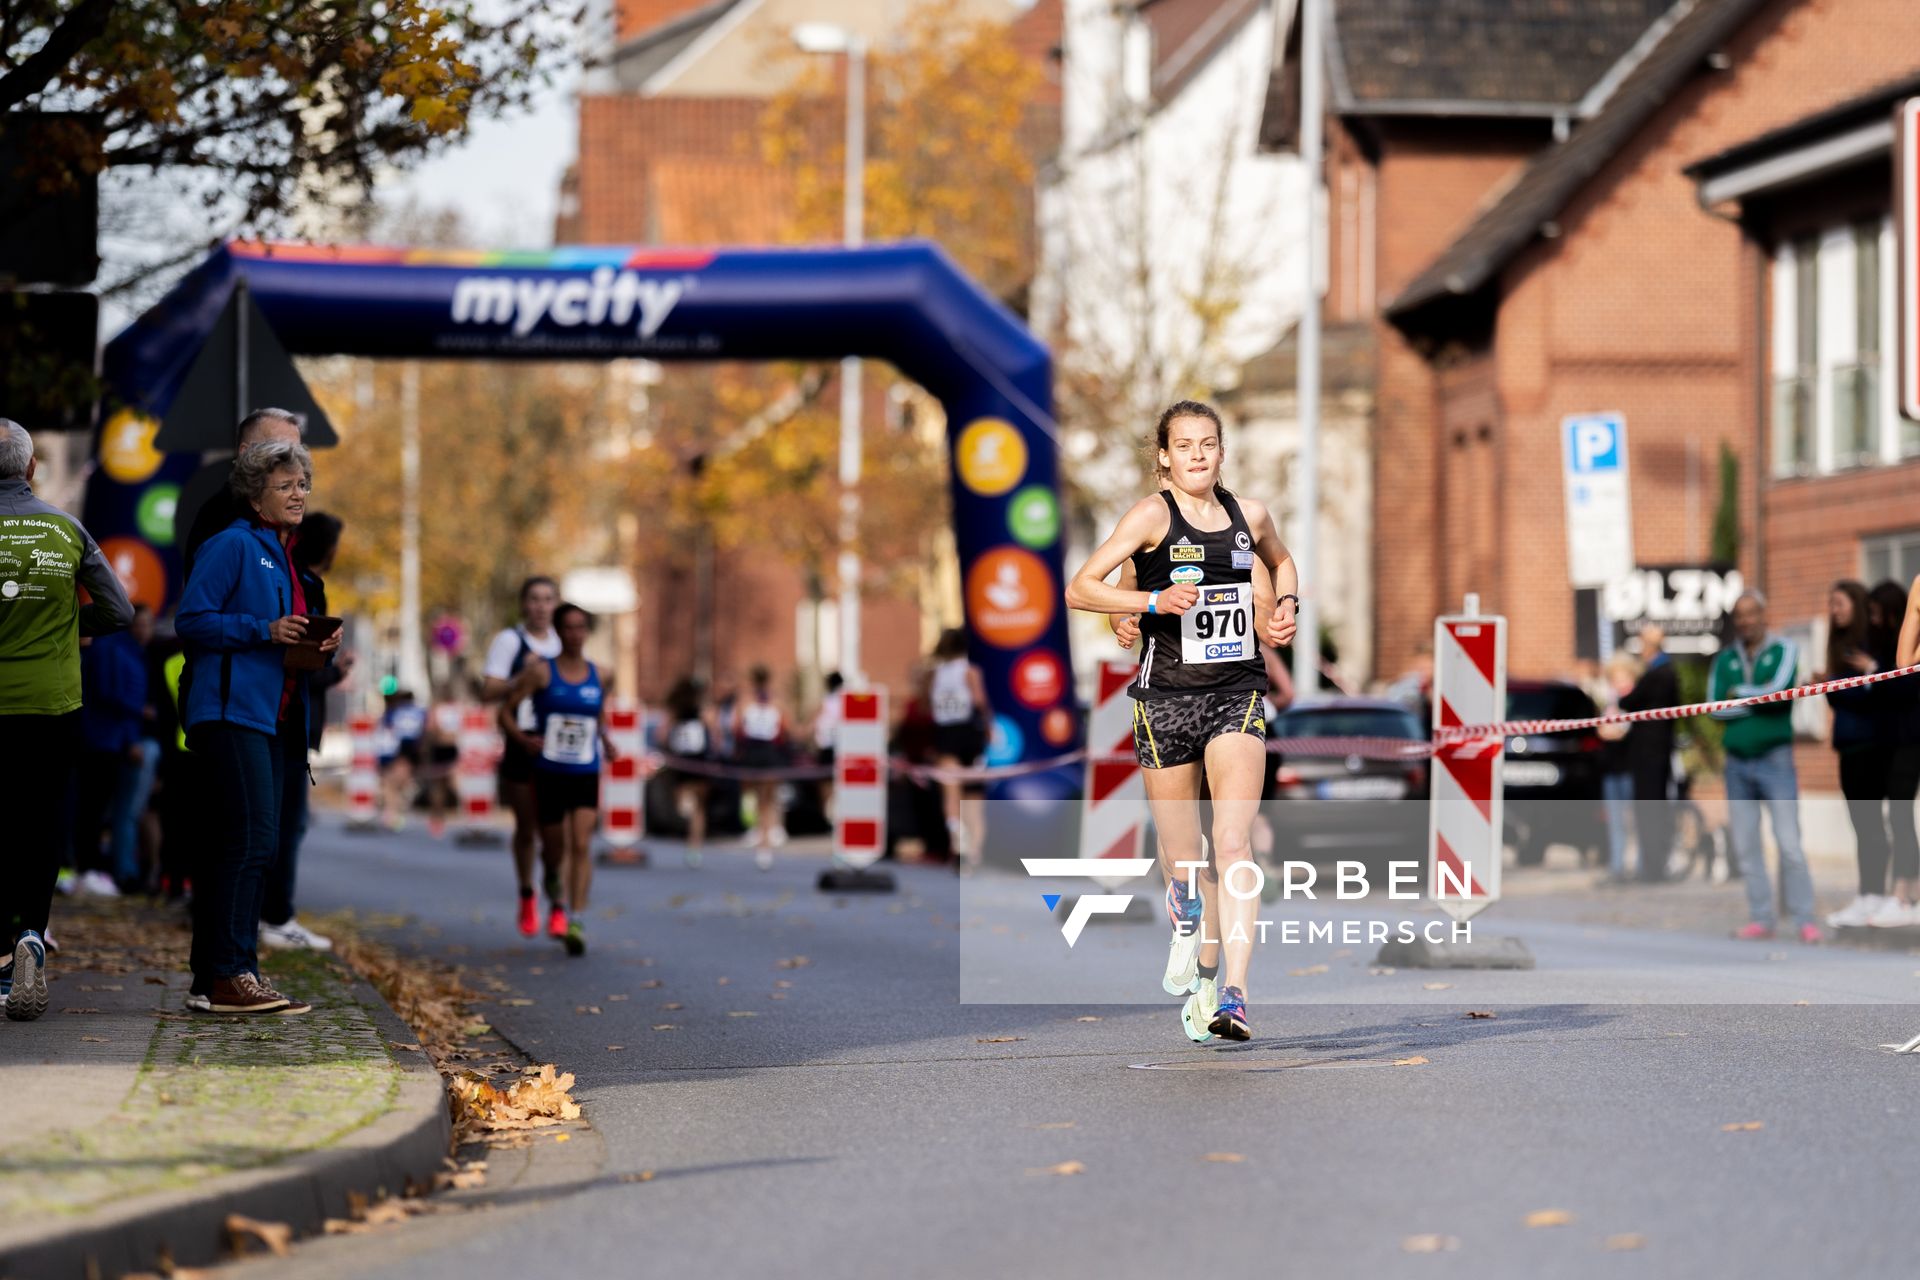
<point x="410" y="1048"/>
<point x="1309" y="971"/>
<point x="1743" y="1126"/>
<point x="536" y="969"/>
<point x="1065" y="1169"/>
<point x="518" y="1002"/>
<point x="997" y="1039"/>
<point x="79" y="1011"/>
<point x="104" y="987"/>
<point x="1382" y="971"/>
<point x="1436" y="986"/>
<point x="672" y="1004"/>
<point x="154" y="980"/>
<point x="96" y="1040"/>
<point x="461" y="1177"/>
<point x="276" y="1236"/>
<point x="1087" y="1018"/>
<point x="1055" y="1124"/>
<point x="665" y="1026"/>
<point x="1223" y="1157"/>
<point x="792" y="962"/>
<point x="539" y="1098"/>
<point x="652" y="984"/>
<point x="741" y="1013"/>
<point x="1430" y="1244"/>
<point x="612" y="998"/>
<point x="615" y="1048"/>
<point x="782" y="983"/>
<point x="1549" y="1218"/>
<point x="1624" y="1243"/>
<point x="1797" y="1002"/>
<point x="777" y="995"/>
<point x="1415" y="1061"/>
<point x="723" y="981"/>
<point x="586" y="1008"/>
<point x="1481" y="1013"/>
<point x="563" y="1137"/>
<point x="645" y="1175"/>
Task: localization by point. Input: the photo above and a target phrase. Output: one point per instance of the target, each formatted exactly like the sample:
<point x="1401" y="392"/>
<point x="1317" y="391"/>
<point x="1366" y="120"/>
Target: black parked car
<point x="1364" y="806"/>
<point x="1552" y="780"/>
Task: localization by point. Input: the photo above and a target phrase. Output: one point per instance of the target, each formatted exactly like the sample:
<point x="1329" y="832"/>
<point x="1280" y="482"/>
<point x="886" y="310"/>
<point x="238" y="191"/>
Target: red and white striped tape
<point x="622" y="795"/>
<point x="1509" y="728"/>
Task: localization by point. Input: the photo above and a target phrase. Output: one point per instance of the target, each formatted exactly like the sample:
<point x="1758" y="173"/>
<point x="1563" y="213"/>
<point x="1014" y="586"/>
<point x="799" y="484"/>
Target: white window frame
<point x="1836" y="344"/>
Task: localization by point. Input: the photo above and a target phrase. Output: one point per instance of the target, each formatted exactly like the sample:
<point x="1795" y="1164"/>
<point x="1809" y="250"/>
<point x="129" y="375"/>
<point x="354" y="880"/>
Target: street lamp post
<point x="1306" y="641"/>
<point x="825" y="37"/>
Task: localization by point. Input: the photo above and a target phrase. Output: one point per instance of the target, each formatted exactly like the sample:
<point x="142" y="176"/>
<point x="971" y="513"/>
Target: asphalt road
<point x="863" y="1122"/>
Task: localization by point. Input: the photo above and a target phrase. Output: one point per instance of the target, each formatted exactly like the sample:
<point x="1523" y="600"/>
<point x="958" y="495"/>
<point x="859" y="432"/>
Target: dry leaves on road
<point x="1382" y="971"/>
<point x="1436" y="986"/>
<point x="997" y="1039"/>
<point x="95" y="1040"/>
<point x="1549" y="1218"/>
<point x="792" y="962"/>
<point x="741" y="1013"/>
<point x="672" y="1005"/>
<point x="461" y="1175"/>
<point x="516" y="1002"/>
<point x="586" y="1008"/>
<point x="536" y="1099"/>
<point x="1415" y="1061"/>
<point x="615" y="1048"/>
<point x="1430" y="1244"/>
<point x="1055" y="1124"/>
<point x="1087" y="1017"/>
<point x="652" y="984"/>
<point x="1223" y="1157"/>
<point x="1481" y="1013"/>
<point x="241" y="1230"/>
<point x="1625" y="1243"/>
<point x="79" y="1011"/>
<point x="1307" y="972"/>
<point x="666" y="1026"/>
<point x="722" y="981"/>
<point x="645" y="1175"/>
<point x="1743" y="1126"/>
<point x="1065" y="1169"/>
<point x="611" y="999"/>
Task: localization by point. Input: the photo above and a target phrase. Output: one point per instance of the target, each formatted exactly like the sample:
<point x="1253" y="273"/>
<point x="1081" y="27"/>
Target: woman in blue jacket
<point x="243" y="606"/>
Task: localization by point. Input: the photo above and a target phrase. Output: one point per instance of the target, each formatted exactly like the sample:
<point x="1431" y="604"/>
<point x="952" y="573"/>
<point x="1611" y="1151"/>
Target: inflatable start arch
<point x="904" y="303"/>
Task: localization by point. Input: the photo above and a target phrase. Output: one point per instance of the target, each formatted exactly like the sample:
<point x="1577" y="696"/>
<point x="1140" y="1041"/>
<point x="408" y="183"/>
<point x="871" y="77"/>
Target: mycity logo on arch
<point x="1087" y="905"/>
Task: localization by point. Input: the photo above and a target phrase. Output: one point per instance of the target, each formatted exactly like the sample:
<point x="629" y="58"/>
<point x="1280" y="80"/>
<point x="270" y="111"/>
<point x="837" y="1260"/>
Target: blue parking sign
<point x="1593" y="443"/>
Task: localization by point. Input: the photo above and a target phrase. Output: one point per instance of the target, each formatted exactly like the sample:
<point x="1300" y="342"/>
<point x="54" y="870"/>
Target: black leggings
<point x="1864" y="776"/>
<point x="1903" y="782"/>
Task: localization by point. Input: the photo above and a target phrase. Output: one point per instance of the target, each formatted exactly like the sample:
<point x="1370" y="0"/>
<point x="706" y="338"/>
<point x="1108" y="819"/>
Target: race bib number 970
<point x="1219" y="627"/>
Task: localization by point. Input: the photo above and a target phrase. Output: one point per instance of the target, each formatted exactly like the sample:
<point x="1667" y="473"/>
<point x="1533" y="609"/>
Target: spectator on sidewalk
<point x="1863" y="740"/>
<point x="1759" y="752"/>
<point x="221" y="509"/>
<point x="1621" y="674"/>
<point x="121" y="753"/>
<point x="244" y="605"/>
<point x="1648" y="753"/>
<point x="1899" y="612"/>
<point x="313" y="553"/>
<point x="45" y="554"/>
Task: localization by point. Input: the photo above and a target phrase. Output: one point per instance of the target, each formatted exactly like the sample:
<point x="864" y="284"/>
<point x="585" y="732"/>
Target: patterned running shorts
<point x="1176" y="730"/>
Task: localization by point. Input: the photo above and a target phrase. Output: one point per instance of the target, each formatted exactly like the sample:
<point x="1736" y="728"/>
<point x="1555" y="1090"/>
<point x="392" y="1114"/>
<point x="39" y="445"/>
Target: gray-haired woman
<point x="243" y="606"/>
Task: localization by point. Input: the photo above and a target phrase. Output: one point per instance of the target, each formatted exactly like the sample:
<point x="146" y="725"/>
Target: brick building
<point x="668" y="154"/>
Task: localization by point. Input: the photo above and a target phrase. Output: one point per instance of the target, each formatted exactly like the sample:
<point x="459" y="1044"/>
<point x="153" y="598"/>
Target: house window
<point x="1890" y="555"/>
<point x="1831" y="368"/>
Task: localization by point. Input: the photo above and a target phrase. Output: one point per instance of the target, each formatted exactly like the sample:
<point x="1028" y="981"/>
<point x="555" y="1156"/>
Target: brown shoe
<point x="291" y="1006"/>
<point x="244" y="993"/>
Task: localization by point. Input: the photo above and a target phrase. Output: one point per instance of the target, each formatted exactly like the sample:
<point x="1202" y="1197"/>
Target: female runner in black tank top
<point x="1208" y="568"/>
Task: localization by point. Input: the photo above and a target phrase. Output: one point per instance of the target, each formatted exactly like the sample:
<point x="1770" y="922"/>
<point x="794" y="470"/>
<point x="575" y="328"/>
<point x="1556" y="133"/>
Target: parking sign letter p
<point x="1592" y="441"/>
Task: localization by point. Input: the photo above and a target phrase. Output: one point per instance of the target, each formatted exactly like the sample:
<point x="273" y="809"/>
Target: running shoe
<point x="764" y="859"/>
<point x="529" y="915"/>
<point x="1230" y="1019"/>
<point x="1811" y="935"/>
<point x="1858" y="912"/>
<point x="1198" y="1011"/>
<point x="575" y="939"/>
<point x="1184" y="911"/>
<point x="692" y="857"/>
<point x="293" y="936"/>
<point x="1753" y="931"/>
<point x="27" y="997"/>
<point x="557" y="923"/>
<point x="1893" y="914"/>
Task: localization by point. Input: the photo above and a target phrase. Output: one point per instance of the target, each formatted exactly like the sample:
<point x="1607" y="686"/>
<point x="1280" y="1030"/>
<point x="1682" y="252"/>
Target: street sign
<point x="1599" y="519"/>
<point x="1906" y="204"/>
<point x="1466" y="814"/>
<point x="1690" y="602"/>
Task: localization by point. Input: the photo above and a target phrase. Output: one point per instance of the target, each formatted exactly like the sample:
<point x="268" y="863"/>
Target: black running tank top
<point x="1212" y="647"/>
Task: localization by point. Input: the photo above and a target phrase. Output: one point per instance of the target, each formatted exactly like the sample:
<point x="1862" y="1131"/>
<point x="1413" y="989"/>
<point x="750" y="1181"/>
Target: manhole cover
<point x="1252" y="1062"/>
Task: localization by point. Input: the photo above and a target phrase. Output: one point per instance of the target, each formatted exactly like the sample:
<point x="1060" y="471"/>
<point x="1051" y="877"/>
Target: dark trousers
<point x="276" y="907"/>
<point x="38" y="755"/>
<point x="241" y="770"/>
<point x="1864" y="775"/>
<point x="1903" y="782"/>
<point x="1653" y="820"/>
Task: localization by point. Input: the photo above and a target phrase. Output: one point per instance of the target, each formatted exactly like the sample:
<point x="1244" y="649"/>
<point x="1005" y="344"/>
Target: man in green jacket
<point x="1759" y="747"/>
<point x="45" y="555"/>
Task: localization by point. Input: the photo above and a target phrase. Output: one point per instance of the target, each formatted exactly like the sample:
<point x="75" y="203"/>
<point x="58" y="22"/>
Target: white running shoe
<point x="764" y="859"/>
<point x="1199" y="1009"/>
<point x="1894" y="914"/>
<point x="1857" y="912"/>
<point x="1183" y="953"/>
<point x="98" y="884"/>
<point x="293" y="936"/>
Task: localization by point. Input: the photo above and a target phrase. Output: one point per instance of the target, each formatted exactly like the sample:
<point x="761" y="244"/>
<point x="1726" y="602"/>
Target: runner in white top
<point x="960" y="719"/>
<point x="760" y="742"/>
<point x="506" y="656"/>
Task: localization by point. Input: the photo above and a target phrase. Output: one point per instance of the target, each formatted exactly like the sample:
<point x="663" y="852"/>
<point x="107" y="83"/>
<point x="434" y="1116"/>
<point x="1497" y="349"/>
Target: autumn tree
<point x="272" y="102"/>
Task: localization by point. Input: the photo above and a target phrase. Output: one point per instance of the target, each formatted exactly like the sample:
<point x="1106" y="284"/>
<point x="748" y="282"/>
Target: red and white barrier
<point x="622" y="793"/>
<point x="1464" y="823"/>
<point x="1114" y="805"/>
<point x="363" y="773"/>
<point x="479" y="747"/>
<point x="860" y="779"/>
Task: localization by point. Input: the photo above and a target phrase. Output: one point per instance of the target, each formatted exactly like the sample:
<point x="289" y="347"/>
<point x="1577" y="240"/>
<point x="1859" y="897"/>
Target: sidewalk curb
<point x="406" y="1145"/>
